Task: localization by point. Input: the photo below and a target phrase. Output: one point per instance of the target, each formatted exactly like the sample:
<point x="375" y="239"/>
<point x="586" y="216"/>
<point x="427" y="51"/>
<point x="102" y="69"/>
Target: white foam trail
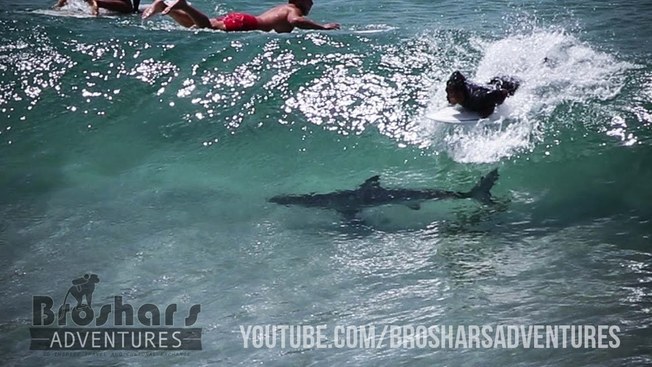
<point x="75" y="9"/>
<point x="572" y="72"/>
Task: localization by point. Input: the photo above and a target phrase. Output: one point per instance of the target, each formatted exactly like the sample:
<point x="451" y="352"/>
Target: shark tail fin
<point x="482" y="190"/>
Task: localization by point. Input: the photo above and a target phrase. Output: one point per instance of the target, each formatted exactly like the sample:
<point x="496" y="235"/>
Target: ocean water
<point x="145" y="153"/>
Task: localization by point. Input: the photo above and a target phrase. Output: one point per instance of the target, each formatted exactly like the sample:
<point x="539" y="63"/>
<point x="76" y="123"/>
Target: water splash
<point x="75" y="9"/>
<point x="556" y="69"/>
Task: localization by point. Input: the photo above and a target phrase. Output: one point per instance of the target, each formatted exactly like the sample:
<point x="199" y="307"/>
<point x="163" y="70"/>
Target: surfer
<point x="479" y="98"/>
<point x="282" y="18"/>
<point x="120" y="6"/>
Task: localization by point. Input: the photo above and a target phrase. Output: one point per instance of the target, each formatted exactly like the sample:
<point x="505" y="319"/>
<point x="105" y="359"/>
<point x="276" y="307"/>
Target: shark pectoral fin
<point x="482" y="190"/>
<point x="413" y="206"/>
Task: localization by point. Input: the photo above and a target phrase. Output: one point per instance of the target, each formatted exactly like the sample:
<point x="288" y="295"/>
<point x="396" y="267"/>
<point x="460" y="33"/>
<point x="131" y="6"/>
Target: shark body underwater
<point x="350" y="202"/>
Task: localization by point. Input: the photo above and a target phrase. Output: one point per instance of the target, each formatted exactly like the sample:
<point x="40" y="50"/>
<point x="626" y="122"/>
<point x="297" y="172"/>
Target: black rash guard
<point x="484" y="99"/>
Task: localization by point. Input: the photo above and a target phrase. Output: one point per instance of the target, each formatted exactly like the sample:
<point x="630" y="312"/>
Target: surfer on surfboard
<point x="479" y="98"/>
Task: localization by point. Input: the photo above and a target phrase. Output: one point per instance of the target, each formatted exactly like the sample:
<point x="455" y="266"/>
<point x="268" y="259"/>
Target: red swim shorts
<point x="239" y="22"/>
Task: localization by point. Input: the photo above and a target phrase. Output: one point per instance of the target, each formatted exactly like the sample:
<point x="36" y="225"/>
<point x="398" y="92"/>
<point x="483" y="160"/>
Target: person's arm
<point x="305" y="23"/>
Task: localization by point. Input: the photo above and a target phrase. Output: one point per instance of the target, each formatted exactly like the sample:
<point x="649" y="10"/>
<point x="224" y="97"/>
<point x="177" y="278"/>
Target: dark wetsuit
<point x="136" y="4"/>
<point x="483" y="99"/>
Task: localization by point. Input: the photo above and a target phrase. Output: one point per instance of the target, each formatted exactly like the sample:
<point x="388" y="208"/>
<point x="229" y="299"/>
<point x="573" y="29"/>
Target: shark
<point x="371" y="193"/>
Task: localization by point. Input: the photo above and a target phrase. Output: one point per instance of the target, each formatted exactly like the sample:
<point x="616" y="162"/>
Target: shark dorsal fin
<point x="372" y="182"/>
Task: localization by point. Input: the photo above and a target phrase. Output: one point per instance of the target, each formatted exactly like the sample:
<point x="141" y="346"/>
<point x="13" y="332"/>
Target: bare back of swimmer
<point x="282" y="18"/>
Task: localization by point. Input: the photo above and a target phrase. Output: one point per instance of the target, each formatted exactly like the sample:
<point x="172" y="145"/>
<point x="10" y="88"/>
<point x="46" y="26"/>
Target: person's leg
<point x="95" y="10"/>
<point x="179" y="16"/>
<point x="122" y="6"/>
<point x="182" y="18"/>
<point x="200" y="19"/>
<point x="508" y="83"/>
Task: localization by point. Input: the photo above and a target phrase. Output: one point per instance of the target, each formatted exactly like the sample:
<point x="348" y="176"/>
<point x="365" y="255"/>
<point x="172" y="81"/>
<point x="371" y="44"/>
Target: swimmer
<point x="479" y="98"/>
<point x="119" y="6"/>
<point x="282" y="18"/>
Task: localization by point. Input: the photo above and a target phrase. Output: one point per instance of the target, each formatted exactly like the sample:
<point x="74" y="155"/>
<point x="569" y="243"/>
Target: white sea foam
<point x="73" y="8"/>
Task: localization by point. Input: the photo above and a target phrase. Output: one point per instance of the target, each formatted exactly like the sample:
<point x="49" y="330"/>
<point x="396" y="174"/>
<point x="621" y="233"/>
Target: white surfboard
<point x="453" y="115"/>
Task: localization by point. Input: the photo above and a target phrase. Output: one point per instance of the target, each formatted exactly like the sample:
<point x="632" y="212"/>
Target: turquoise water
<point x="145" y="153"/>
